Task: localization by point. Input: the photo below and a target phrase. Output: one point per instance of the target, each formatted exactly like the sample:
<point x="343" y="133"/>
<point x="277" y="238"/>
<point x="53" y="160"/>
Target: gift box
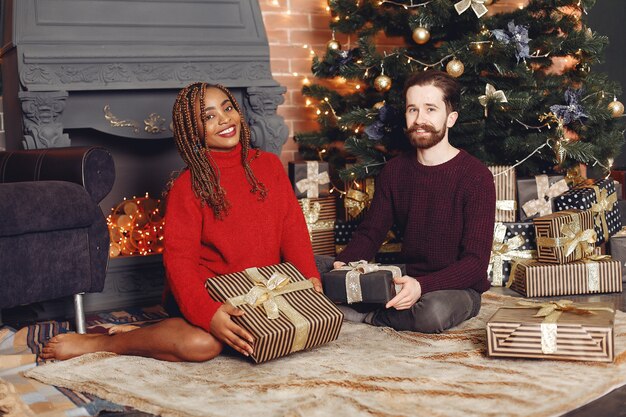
<point x="620" y="177"/>
<point x="310" y="179"/>
<point x="284" y="313"/>
<point x="357" y="199"/>
<point x="601" y="199"/>
<point x="506" y="205"/>
<point x="565" y="236"/>
<point x="553" y="330"/>
<point x="534" y="195"/>
<point x="510" y="241"/>
<point x="344" y="231"/>
<point x="319" y="214"/>
<point x="597" y="274"/>
<point x="362" y="282"/>
<point x="618" y="250"/>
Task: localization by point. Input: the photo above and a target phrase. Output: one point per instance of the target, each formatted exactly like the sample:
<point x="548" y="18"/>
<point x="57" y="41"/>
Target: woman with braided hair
<point x="231" y="208"/>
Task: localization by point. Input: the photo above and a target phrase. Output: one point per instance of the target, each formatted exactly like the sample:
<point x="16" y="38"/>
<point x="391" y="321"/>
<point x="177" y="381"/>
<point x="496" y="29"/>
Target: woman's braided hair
<point x="205" y="174"/>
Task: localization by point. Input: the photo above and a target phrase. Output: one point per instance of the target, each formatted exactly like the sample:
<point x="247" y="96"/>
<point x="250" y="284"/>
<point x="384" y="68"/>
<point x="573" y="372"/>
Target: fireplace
<point x="101" y="72"/>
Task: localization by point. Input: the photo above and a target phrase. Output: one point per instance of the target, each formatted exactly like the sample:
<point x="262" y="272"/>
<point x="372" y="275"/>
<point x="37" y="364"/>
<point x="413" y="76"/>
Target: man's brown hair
<point x="447" y="84"/>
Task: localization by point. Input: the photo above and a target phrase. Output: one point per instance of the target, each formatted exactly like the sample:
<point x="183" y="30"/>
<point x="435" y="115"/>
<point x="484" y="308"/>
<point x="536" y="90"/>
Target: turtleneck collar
<point x="229" y="158"/>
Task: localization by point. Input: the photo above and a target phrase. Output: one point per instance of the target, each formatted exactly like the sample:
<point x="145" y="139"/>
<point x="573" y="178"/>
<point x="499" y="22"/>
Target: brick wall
<point x="295" y="29"/>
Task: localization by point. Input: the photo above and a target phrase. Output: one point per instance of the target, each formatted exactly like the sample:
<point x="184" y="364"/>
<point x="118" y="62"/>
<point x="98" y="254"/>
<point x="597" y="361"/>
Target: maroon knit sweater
<point x="447" y="214"/>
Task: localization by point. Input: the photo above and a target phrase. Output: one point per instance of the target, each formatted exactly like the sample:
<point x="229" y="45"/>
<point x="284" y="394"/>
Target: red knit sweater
<point x="254" y="233"/>
<point x="447" y="214"/>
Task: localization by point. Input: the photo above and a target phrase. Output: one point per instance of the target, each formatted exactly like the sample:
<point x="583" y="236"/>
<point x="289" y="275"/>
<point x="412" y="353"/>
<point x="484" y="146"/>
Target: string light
<point x="405" y="6"/>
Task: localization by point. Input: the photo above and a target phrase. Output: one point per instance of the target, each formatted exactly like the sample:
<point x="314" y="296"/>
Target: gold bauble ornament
<point x="616" y="108"/>
<point x="382" y="83"/>
<point x="333" y="44"/>
<point x="488" y="2"/>
<point x="421" y="35"/>
<point x="379" y="105"/>
<point x="455" y="68"/>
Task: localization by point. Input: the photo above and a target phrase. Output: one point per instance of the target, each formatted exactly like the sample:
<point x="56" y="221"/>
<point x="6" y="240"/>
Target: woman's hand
<point x="225" y="330"/>
<point x="409" y="294"/>
<point x="317" y="284"/>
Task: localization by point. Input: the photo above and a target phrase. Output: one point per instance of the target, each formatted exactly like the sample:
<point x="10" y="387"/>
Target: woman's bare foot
<point x="69" y="345"/>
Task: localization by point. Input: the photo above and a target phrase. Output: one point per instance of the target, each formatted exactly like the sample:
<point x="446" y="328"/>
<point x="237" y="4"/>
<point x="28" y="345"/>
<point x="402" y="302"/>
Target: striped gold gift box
<point x="516" y="332"/>
<point x="537" y="279"/>
<point x="505" y="182"/>
<point x="319" y="214"/>
<point x="557" y="233"/>
<point x="303" y="319"/>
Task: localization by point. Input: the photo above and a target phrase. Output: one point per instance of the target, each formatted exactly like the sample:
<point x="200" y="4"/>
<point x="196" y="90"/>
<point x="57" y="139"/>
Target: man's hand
<point x="225" y="330"/>
<point x="410" y="293"/>
<point x="338" y="264"/>
<point x="317" y="284"/>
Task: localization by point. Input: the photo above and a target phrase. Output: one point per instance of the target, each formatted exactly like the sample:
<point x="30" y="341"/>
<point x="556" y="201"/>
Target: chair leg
<point x="80" y="313"/>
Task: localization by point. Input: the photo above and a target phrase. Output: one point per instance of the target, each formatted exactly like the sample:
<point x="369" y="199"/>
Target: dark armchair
<point x="54" y="240"/>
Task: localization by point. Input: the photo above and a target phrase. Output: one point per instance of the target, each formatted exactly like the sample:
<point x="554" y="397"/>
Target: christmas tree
<point x="530" y="97"/>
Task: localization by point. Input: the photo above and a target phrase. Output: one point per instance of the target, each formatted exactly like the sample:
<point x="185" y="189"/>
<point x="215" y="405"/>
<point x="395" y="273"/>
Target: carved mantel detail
<point x="268" y="129"/>
<point x="41" y="115"/>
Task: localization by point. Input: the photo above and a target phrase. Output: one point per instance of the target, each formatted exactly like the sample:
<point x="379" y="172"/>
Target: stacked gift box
<point x="311" y="184"/>
<point x="550" y="250"/>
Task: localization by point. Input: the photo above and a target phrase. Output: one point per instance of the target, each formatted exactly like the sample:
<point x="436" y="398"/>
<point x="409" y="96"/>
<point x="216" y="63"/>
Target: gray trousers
<point x="434" y="312"/>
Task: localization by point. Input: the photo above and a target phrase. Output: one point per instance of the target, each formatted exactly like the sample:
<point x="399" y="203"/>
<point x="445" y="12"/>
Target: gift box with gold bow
<point x="592" y="275"/>
<point x="553" y="330"/>
<point x="600" y="197"/>
<point x="565" y="236"/>
<point x="506" y="205"/>
<point x="309" y="178"/>
<point x="362" y="282"/>
<point x="534" y="195"/>
<point x="510" y="241"/>
<point x="283" y="312"/>
<point x="319" y="214"/>
<point x="357" y="199"/>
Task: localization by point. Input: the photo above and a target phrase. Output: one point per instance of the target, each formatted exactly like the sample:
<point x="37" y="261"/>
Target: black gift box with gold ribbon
<point x="284" y="315"/>
<point x="534" y="195"/>
<point x="600" y="197"/>
<point x="510" y="241"/>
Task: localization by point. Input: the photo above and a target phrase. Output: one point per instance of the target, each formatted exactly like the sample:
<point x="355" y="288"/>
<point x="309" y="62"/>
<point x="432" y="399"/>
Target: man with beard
<point x="444" y="200"/>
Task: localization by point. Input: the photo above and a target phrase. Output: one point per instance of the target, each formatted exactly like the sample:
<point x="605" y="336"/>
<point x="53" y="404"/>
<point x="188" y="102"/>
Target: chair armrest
<point x="91" y="167"/>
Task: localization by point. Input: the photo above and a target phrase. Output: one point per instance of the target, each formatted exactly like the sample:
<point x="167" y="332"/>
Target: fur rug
<point x="368" y="371"/>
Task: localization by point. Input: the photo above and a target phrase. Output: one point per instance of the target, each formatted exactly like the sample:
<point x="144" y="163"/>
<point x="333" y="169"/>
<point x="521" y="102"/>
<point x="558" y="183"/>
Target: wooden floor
<point x="611" y="405"/>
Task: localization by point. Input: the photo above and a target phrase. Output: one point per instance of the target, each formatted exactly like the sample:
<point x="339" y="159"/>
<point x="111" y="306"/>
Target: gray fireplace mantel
<point x="116" y="66"/>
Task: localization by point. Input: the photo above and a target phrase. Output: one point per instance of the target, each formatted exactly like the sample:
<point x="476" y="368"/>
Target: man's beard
<point x="425" y="141"/>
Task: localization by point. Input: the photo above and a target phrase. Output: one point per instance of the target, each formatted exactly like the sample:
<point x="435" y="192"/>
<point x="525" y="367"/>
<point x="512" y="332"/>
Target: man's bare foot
<point x="122" y="328"/>
<point x="69" y="345"/>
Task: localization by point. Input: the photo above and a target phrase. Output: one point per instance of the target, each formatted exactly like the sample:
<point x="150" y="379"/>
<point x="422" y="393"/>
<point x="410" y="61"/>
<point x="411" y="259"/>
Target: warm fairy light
<point x="306" y="81"/>
<point x="356" y="130"/>
<point x="328" y="8"/>
<point x="326" y="113"/>
<point x="312" y="52"/>
<point x="295" y="74"/>
<point x="520" y="6"/>
<point x="308" y="102"/>
<point x="275" y="3"/>
<point x="305" y="46"/>
<point x="341" y="80"/>
<point x="326" y="99"/>
<point x="358" y="86"/>
<point x="318" y="111"/>
<point x="131" y="225"/>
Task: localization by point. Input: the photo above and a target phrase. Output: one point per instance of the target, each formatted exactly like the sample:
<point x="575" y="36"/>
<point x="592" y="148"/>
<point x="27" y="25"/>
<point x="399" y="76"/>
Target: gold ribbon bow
<point x="542" y="205"/>
<point x="267" y="292"/>
<point x="604" y="203"/>
<point x="356" y="201"/>
<point x="506" y="205"/>
<point x="353" y="282"/>
<point x="551" y="311"/>
<point x="573" y="239"/>
<point x="491" y="95"/>
<point x="477" y="6"/>
<point x="313" y="180"/>
<point x="502" y="251"/>
<point x="311" y="211"/>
